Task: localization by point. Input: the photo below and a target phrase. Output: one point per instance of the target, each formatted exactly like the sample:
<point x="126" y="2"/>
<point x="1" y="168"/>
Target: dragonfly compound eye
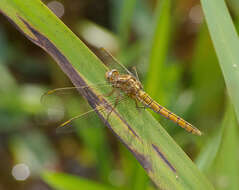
<point x="111" y="75"/>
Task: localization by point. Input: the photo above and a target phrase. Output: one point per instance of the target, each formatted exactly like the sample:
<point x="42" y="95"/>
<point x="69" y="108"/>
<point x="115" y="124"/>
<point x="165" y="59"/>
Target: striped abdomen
<point x="149" y="102"/>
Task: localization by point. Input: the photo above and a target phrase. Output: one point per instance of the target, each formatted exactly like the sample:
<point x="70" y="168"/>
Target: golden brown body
<point x="134" y="89"/>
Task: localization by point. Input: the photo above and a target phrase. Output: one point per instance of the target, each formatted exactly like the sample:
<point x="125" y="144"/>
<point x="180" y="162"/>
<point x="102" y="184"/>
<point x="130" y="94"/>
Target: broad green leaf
<point x="226" y="44"/>
<point x="61" y="181"/>
<point x="163" y="160"/>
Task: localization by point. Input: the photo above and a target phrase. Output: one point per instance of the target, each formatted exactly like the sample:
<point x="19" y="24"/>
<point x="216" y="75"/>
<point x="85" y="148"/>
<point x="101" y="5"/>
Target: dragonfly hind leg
<point x="139" y="107"/>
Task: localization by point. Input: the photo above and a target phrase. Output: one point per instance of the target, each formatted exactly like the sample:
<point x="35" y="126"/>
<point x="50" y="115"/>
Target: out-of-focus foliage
<point x="226" y="43"/>
<point x="69" y="182"/>
<point x="165" y="163"/>
<point x="189" y="82"/>
<point x="219" y="159"/>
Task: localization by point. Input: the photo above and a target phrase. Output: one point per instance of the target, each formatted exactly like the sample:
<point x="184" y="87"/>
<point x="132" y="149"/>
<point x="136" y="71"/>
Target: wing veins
<point x="112" y="59"/>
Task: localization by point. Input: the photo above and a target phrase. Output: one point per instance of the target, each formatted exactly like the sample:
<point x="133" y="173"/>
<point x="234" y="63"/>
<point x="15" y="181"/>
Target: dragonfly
<point x="130" y="85"/>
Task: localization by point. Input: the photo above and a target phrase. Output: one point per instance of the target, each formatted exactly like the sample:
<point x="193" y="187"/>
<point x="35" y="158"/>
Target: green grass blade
<point x="219" y="158"/>
<point x="125" y="20"/>
<point x="234" y="5"/>
<point x="164" y="161"/>
<point x="225" y="170"/>
<point x="61" y="181"/>
<point x="159" y="50"/>
<point x="208" y="154"/>
<point x="210" y="150"/>
<point x="212" y="81"/>
<point x="226" y="44"/>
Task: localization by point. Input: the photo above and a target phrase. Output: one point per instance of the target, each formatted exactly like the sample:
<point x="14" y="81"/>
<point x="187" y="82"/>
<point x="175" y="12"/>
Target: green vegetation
<point x="170" y="46"/>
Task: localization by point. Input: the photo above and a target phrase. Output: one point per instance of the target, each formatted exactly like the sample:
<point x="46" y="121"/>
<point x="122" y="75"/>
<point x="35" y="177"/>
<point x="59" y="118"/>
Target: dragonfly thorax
<point x="126" y="82"/>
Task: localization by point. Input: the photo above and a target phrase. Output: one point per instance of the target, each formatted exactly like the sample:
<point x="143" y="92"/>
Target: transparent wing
<point x="60" y="100"/>
<point x="68" y="90"/>
<point x="112" y="62"/>
<point x="85" y="119"/>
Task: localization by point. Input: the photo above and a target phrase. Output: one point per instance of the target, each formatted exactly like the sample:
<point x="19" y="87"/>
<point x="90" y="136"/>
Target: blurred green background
<point x="169" y="43"/>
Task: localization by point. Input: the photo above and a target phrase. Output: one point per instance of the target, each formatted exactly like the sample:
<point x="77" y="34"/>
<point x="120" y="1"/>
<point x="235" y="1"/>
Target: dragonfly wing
<point x="68" y="90"/>
<point x="82" y="120"/>
<point x="85" y="118"/>
<point x="112" y="62"/>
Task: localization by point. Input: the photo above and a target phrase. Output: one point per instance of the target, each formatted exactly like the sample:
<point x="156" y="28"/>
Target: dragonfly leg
<point x="110" y="93"/>
<point x="135" y="72"/>
<point x="139" y="107"/>
<point x="118" y="98"/>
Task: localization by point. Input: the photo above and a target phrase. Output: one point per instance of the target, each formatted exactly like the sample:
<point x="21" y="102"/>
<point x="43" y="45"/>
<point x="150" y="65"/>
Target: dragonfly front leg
<point x="107" y="95"/>
<point x="135" y="72"/>
<point x="110" y="93"/>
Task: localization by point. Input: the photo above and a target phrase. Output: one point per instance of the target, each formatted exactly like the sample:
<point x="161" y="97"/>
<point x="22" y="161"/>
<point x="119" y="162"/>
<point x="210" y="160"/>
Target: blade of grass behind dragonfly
<point x="209" y="105"/>
<point x="159" y="50"/>
<point x="123" y="19"/>
<point x="225" y="170"/>
<point x="234" y="6"/>
<point x="219" y="157"/>
<point x="226" y="44"/>
<point x="164" y="161"/>
<point x="62" y="181"/>
<point x="209" y="152"/>
<point x="162" y="77"/>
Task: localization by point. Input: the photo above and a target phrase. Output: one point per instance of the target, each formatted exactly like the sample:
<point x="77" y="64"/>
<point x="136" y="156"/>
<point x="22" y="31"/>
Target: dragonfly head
<point x="111" y="75"/>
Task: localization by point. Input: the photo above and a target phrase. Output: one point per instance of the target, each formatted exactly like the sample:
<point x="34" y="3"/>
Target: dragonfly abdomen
<point x="149" y="102"/>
